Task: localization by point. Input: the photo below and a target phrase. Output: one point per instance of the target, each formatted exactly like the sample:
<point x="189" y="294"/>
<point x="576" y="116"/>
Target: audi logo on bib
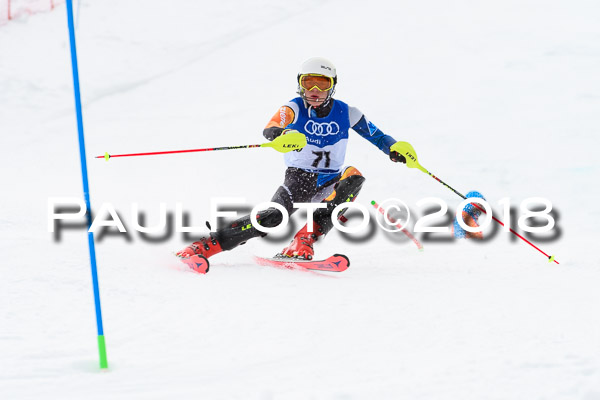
<point x="321" y="128"/>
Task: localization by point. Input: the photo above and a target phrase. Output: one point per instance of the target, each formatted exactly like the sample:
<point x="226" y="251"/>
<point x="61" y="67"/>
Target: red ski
<point x="335" y="263"/>
<point x="196" y="262"/>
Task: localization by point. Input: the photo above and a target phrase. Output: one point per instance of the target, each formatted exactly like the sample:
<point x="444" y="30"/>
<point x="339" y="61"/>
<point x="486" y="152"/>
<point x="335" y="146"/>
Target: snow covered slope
<point x="503" y="98"/>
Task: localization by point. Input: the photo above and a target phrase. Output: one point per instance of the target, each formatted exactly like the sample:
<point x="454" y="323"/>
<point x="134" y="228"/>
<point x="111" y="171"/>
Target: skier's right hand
<point x="286" y="131"/>
<point x="292" y="131"/>
<point x="288" y="141"/>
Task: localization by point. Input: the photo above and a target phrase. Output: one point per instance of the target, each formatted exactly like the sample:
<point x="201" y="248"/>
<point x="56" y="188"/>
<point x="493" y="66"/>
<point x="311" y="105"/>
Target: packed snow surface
<point x="499" y="97"/>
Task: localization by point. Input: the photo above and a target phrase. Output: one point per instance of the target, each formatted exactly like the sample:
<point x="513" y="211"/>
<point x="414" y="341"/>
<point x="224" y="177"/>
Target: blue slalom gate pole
<point x="86" y="188"/>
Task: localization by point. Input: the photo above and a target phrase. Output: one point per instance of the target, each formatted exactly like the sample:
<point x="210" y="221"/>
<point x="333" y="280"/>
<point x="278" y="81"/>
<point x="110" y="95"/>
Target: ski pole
<point x="283" y="144"/>
<point x="410" y="154"/>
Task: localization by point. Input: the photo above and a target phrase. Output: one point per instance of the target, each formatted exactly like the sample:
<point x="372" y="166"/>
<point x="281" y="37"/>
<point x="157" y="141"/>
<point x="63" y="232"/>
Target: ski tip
<point x="197" y="263"/>
<point x="344" y="257"/>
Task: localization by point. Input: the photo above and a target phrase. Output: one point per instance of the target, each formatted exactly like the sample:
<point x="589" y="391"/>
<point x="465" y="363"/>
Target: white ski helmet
<point x="318" y="66"/>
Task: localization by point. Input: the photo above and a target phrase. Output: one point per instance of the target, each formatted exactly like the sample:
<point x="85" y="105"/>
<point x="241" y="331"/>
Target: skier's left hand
<point x="397" y="157"/>
<point x="408" y="154"/>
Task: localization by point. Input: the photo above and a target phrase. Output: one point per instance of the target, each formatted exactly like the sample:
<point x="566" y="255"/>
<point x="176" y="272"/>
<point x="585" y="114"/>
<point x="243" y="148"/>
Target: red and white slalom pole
<point x="398" y="225"/>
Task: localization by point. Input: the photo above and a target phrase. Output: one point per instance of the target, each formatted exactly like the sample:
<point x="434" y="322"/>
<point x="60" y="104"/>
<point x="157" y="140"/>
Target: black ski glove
<point x="397" y="157"/>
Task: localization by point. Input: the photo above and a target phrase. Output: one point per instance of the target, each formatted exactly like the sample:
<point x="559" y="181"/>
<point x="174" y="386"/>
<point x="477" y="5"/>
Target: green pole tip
<point x="106" y="156"/>
<point x="372" y="202"/>
<point x="551" y="258"/>
<point x="102" y="351"/>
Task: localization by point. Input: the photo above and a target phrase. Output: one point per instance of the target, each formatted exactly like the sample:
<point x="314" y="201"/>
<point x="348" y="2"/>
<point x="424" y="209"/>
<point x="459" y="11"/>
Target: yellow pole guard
<point x="406" y="149"/>
<point x="293" y="140"/>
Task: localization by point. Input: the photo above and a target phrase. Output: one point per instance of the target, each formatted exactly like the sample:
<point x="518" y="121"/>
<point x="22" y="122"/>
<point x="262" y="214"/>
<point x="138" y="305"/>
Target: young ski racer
<point x="316" y="173"/>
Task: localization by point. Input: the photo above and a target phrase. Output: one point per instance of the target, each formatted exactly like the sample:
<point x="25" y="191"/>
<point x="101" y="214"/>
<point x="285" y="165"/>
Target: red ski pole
<point x="107" y="156"/>
<point x="290" y="141"/>
<point x="410" y="154"/>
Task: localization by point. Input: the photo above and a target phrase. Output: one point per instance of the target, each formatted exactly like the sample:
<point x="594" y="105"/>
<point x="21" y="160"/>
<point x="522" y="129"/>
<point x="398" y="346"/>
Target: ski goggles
<point x="311" y="81"/>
